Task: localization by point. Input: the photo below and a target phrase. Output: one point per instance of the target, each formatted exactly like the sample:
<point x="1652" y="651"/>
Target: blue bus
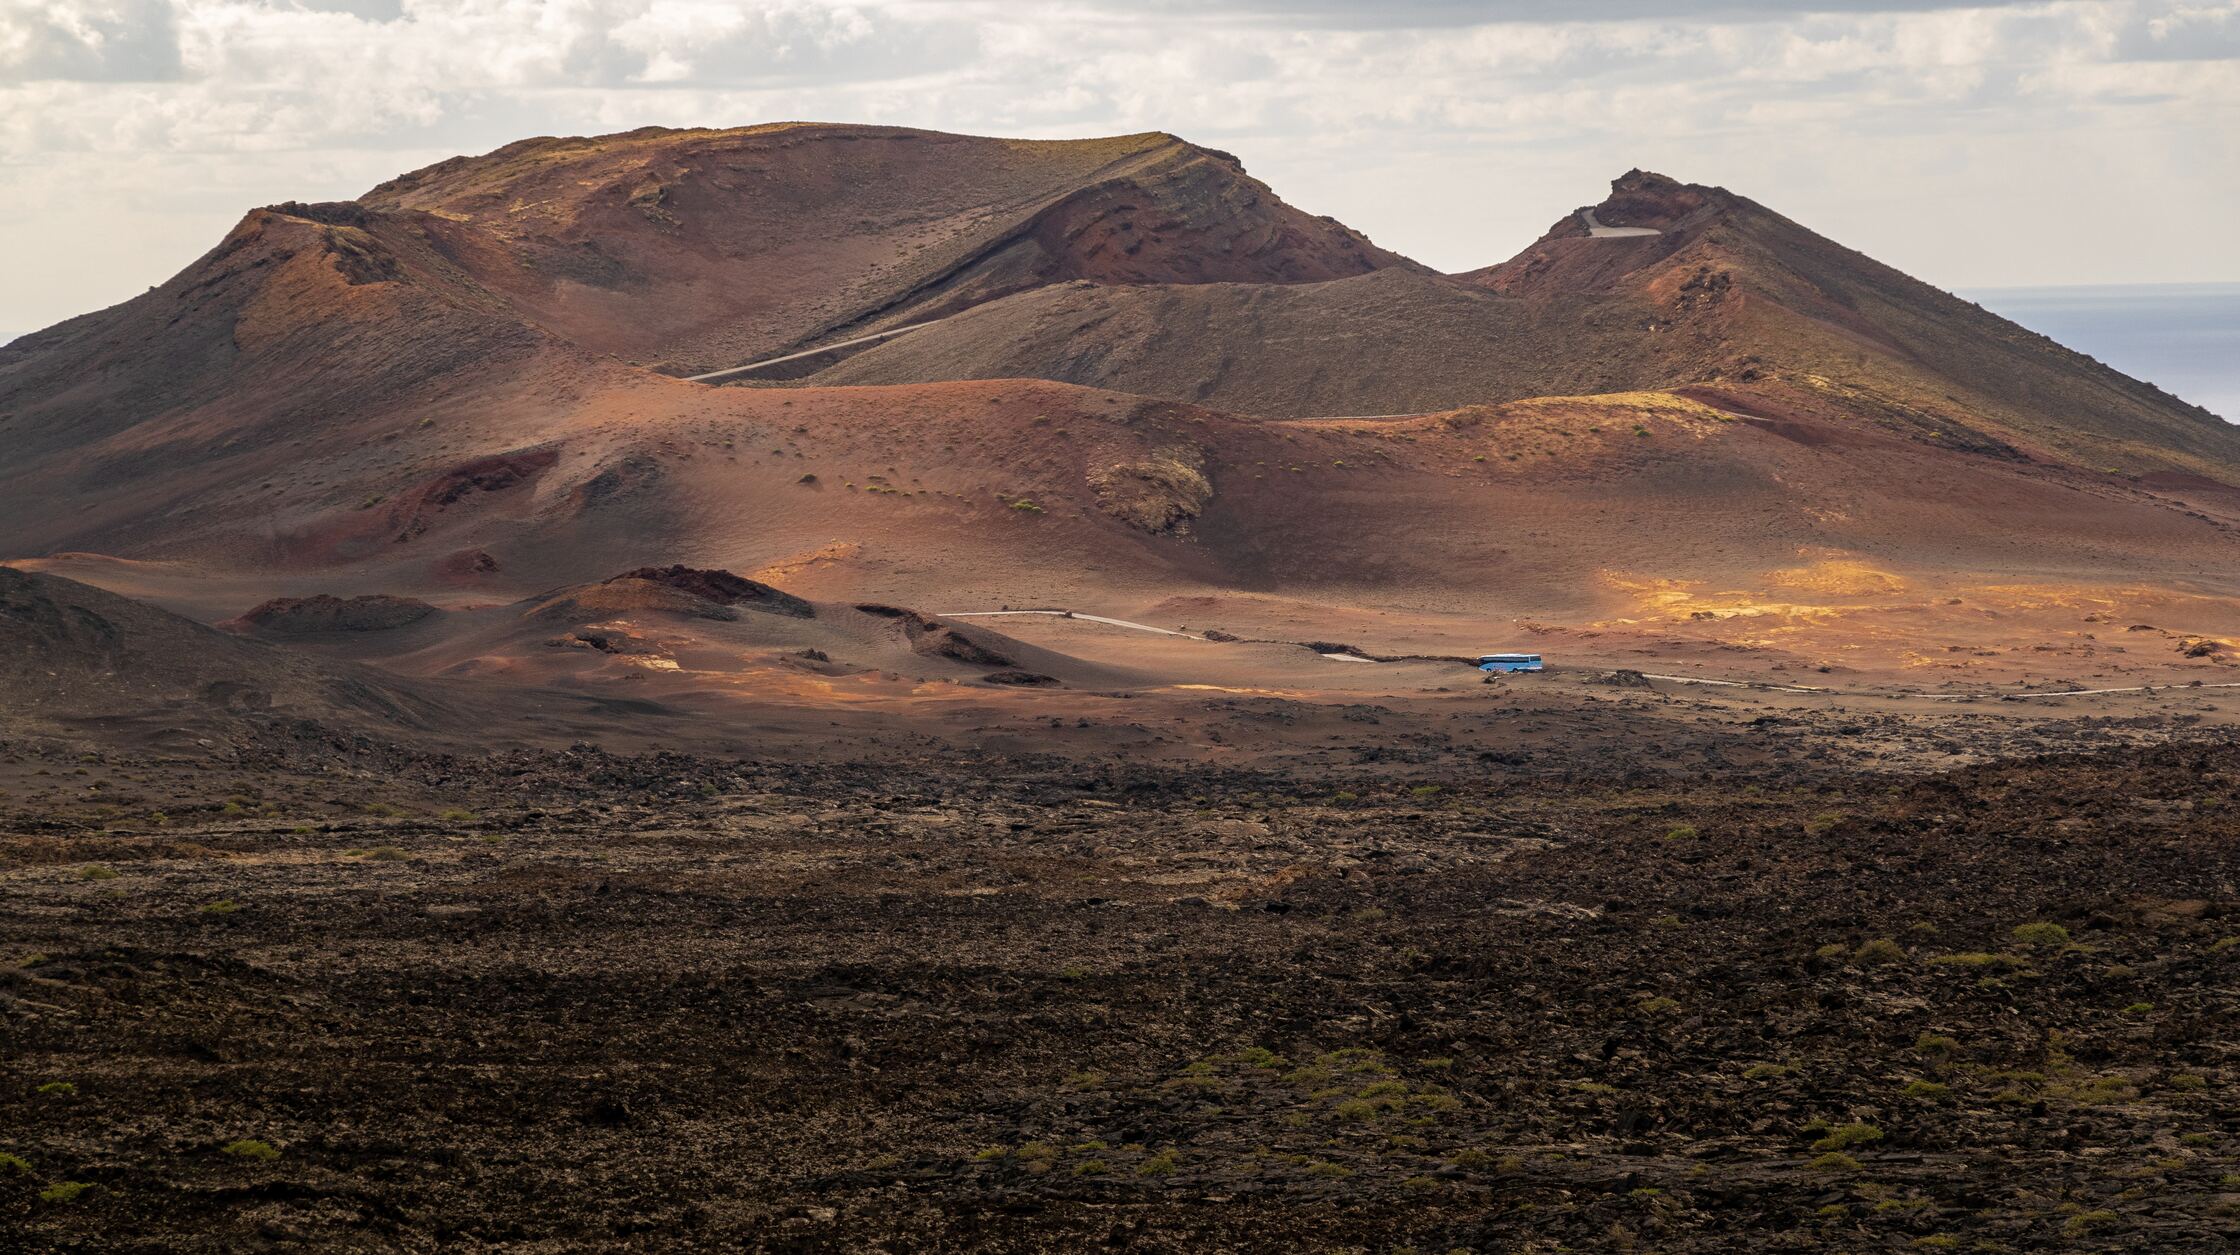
<point x="1510" y="662"/>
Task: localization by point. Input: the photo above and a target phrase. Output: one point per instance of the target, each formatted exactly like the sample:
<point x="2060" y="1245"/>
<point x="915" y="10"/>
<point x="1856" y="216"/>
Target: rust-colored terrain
<point x="1012" y="775"/>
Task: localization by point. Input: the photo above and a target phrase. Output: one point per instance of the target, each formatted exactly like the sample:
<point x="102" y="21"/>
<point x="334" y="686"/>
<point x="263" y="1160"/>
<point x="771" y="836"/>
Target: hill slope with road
<point x="1727" y="438"/>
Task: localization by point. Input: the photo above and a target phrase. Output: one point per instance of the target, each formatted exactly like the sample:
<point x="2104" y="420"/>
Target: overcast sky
<point x="2071" y="141"/>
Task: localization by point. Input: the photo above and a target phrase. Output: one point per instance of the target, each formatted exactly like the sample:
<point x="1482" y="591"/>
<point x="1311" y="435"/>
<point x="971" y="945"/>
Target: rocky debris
<point x="2203" y="647"/>
<point x="935" y="639"/>
<point x="419" y="510"/>
<point x="300" y="616"/>
<point x="694" y="592"/>
<point x="1160" y="494"/>
<point x="1026" y="679"/>
<point x="1476" y="1009"/>
<point x="603" y="640"/>
<point x="723" y="588"/>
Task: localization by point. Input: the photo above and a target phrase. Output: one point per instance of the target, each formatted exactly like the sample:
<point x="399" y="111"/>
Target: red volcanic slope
<point x="1732" y="297"/>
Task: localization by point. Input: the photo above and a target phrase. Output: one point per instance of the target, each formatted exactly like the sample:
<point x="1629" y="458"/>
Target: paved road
<point x="1597" y="230"/>
<point x="794" y="357"/>
<point x="1068" y="614"/>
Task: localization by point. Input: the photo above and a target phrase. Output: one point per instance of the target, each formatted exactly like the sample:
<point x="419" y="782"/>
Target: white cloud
<point x="132" y="132"/>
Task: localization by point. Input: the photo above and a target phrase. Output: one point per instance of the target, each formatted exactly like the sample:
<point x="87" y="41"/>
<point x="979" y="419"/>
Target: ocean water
<point x="2182" y="337"/>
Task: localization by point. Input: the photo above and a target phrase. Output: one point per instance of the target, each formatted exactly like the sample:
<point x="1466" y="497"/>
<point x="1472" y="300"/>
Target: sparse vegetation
<point x="1847" y="1136"/>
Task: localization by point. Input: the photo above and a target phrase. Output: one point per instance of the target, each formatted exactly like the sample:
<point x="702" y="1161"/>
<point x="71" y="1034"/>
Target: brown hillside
<point x="1712" y="439"/>
<point x="703" y="249"/>
<point x="1732" y="296"/>
<point x="1802" y="315"/>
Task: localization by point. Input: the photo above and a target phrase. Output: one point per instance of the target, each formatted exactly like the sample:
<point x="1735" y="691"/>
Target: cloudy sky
<point x="2063" y="141"/>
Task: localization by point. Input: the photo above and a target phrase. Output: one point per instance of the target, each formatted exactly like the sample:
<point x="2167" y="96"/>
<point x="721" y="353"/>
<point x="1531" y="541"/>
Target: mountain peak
<point x="1644" y="198"/>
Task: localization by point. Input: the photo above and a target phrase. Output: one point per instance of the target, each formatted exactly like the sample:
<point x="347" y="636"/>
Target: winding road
<point x="1759" y="685"/>
<point x="890" y="333"/>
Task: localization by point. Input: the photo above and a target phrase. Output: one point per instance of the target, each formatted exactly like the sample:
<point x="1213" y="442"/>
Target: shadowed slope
<point x="75" y="653"/>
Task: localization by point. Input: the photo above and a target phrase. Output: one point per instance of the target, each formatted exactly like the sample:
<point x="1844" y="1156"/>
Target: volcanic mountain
<point x="1710" y="291"/>
<point x="1122" y="376"/>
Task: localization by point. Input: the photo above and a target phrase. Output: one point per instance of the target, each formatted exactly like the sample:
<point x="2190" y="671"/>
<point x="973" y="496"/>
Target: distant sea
<point x="2181" y="337"/>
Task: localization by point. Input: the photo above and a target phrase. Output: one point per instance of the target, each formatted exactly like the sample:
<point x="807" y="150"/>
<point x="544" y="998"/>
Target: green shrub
<point x="58" y="1089"/>
<point x="2041" y="935"/>
<point x="1975" y="958"/>
<point x="1680" y="832"/>
<point x="2085" y="1221"/>
<point x="1846" y="1136"/>
<point x="13" y="1165"/>
<point x="1936" y="1044"/>
<point x="1929" y="1090"/>
<point x="64" y="1191"/>
<point x="1834" y="1161"/>
<point x="1091" y="1168"/>
<point x="990" y="1155"/>
<point x="223" y="906"/>
<point x="1160" y="1165"/>
<point x="1324" y="1168"/>
<point x="95" y="871"/>
<point x="1880" y="950"/>
<point x="250" y="1148"/>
